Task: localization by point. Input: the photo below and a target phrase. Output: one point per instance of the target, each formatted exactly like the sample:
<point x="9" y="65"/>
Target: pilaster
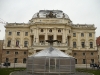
<point x="86" y="42"/>
<point x="78" y="43"/>
<point x="37" y="35"/>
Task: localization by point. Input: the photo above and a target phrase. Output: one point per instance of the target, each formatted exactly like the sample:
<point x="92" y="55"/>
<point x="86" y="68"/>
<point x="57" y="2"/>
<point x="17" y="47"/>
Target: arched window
<point x="50" y="30"/>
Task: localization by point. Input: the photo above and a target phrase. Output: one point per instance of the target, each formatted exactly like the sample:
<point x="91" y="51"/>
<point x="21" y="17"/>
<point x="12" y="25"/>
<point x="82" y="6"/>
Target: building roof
<point x="50" y="52"/>
<point x="53" y="13"/>
<point x="98" y="41"/>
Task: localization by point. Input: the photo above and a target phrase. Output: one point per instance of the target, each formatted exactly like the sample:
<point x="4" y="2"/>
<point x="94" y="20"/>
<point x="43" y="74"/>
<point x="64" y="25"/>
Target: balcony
<point x="47" y="44"/>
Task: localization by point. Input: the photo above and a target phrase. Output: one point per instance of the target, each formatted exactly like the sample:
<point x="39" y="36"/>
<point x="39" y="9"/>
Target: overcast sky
<point x="79" y="11"/>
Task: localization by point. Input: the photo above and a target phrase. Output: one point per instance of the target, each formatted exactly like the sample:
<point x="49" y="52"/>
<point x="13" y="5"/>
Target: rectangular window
<point x="10" y="33"/>
<point x="90" y="34"/>
<point x="18" y="33"/>
<point x="74" y="44"/>
<point x="17" y="43"/>
<point x="25" y="43"/>
<point x="75" y="61"/>
<point x="16" y="53"/>
<point x="26" y="33"/>
<point x="15" y="60"/>
<point x="74" y="34"/>
<point x="7" y="59"/>
<point x="92" y="60"/>
<point x="84" y="61"/>
<point x="82" y="34"/>
<point x="83" y="44"/>
<point x="91" y="53"/>
<point x="9" y="43"/>
<point x="24" y="60"/>
<point x="24" y="52"/>
<point x="91" y="44"/>
<point x="74" y="54"/>
<point x="83" y="53"/>
<point x="7" y="52"/>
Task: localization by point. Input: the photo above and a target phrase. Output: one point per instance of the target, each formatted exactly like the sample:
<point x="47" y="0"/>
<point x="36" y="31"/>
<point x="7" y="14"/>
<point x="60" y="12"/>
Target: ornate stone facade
<point x="73" y="39"/>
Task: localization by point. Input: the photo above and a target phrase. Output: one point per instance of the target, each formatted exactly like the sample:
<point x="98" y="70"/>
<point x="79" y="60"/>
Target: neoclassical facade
<point x="25" y="39"/>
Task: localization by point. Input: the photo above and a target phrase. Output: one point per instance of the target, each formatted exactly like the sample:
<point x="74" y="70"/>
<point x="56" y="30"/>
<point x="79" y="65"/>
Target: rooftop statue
<point x="51" y="15"/>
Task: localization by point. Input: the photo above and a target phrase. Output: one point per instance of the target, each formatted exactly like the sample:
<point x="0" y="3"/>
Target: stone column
<point x="55" y="36"/>
<point x="37" y="36"/>
<point x="13" y="38"/>
<point x="94" y="42"/>
<point x="46" y="36"/>
<point x="67" y="39"/>
<point x="34" y="42"/>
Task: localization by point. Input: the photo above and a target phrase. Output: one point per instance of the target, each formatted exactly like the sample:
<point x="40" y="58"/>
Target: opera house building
<point x="25" y="39"/>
